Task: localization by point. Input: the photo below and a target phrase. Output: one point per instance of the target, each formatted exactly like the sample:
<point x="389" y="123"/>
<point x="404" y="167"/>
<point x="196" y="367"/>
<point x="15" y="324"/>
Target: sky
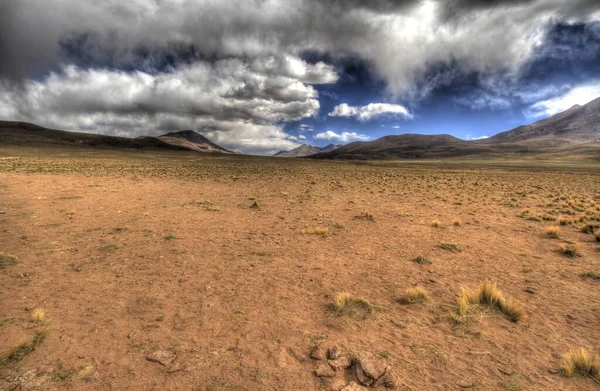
<point x="260" y="76"/>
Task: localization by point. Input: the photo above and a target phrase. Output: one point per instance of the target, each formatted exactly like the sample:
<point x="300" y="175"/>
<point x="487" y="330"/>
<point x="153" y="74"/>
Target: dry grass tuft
<point x="421" y="260"/>
<point x="597" y="235"/>
<point x="20" y="352"/>
<point x="414" y="295"/>
<point x="564" y="220"/>
<point x="489" y="295"/>
<point x="436" y="223"/>
<point x="365" y="216"/>
<point x="449" y="247"/>
<point x="571" y="250"/>
<point x="39" y="316"/>
<point x="581" y="362"/>
<point x="7" y="260"/>
<point x="457" y="222"/>
<point x="319" y="230"/>
<point x="553" y="231"/>
<point x="346" y="304"/>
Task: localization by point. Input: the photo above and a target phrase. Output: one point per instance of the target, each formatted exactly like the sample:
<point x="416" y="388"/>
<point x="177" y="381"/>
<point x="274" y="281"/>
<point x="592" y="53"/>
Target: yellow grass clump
<point x="414" y="295"/>
<point x="457" y="222"/>
<point x="553" y="231"/>
<point x="570" y="250"/>
<point x="319" y="230"/>
<point x="489" y="295"/>
<point x="436" y="223"/>
<point x="581" y="362"/>
<point x="346" y="304"/>
<point x="39" y="316"/>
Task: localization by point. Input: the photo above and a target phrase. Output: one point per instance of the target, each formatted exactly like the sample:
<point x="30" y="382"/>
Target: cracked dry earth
<point x="157" y="274"/>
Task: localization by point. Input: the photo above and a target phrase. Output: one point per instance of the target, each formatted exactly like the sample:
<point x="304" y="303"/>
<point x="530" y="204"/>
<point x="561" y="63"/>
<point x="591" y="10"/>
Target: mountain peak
<point x="193" y="140"/>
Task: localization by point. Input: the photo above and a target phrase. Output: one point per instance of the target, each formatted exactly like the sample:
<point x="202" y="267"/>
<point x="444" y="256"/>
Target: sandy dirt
<point x="130" y="257"/>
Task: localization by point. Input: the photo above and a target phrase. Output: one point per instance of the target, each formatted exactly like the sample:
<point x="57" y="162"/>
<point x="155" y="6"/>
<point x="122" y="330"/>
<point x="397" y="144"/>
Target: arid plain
<point x="228" y="273"/>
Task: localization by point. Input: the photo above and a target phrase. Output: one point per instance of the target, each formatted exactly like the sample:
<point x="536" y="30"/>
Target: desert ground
<point x="161" y="272"/>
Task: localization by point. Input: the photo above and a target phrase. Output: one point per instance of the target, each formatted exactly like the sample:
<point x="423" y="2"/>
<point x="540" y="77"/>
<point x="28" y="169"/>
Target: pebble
<point x="162" y="357"/>
<point x="324" y="370"/>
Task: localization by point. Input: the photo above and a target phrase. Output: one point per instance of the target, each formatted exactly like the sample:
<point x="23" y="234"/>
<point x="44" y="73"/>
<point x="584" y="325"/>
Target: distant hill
<point x="192" y="140"/>
<point x="306" y="150"/>
<point x="575" y="131"/>
<point x="23" y="133"/>
<point x="578" y="124"/>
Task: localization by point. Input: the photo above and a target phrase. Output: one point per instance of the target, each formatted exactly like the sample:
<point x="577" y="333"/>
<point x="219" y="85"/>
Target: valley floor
<point x="134" y="259"/>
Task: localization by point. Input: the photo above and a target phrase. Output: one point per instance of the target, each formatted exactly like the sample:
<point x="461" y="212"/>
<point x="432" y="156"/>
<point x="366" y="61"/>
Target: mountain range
<point x="572" y="133"/>
<point x="306" y="150"/>
<point x="575" y="131"/>
<point x="22" y="133"/>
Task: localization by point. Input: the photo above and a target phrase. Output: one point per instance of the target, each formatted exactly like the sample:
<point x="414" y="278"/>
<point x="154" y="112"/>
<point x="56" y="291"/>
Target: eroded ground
<point x="130" y="256"/>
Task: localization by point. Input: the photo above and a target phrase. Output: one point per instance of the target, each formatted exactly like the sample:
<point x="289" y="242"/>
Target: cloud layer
<point x="236" y="70"/>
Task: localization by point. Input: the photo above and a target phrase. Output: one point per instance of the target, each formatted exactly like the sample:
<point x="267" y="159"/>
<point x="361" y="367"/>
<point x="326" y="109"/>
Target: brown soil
<point x="128" y="256"/>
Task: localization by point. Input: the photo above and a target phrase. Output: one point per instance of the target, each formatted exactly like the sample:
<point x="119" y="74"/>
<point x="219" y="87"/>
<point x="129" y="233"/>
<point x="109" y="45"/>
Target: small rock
<point x="341" y="363"/>
<point x="162" y="357"/>
<point x="334" y="353"/>
<point x="318" y="353"/>
<point x="338" y="385"/>
<point x="465" y="384"/>
<point x="506" y="372"/>
<point x="362" y="376"/>
<point x="387" y="380"/>
<point x="175" y="367"/>
<point x="254" y="205"/>
<point x="372" y="366"/>
<point x="571" y="317"/>
<point x="554" y="371"/>
<point x="352" y="386"/>
<point x="530" y="290"/>
<point x="324" y="370"/>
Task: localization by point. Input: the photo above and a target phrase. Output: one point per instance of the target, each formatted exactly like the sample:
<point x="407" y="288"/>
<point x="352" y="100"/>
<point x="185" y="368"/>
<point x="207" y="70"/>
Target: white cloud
<point x="579" y="95"/>
<point x="301" y="137"/>
<point x="365" y="113"/>
<point x="396" y="127"/>
<point x="241" y="103"/>
<point x="306" y="128"/>
<point x="344" y="137"/>
<point x="470" y="137"/>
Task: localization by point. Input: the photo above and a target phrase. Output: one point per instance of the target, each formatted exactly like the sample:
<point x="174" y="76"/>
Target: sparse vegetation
<point x="597" y="235"/>
<point x="570" y="250"/>
<point x="457" y="222"/>
<point x="318" y="230"/>
<point x="553" y="231"/>
<point x="421" y="260"/>
<point x="346" y="304"/>
<point x="449" y="247"/>
<point x="436" y="223"/>
<point x="581" y="362"/>
<point x="7" y="260"/>
<point x="414" y="295"/>
<point x="247" y="258"/>
<point x="20" y="352"/>
<point x="488" y="295"/>
<point x="365" y="216"/>
<point x="39" y="316"/>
